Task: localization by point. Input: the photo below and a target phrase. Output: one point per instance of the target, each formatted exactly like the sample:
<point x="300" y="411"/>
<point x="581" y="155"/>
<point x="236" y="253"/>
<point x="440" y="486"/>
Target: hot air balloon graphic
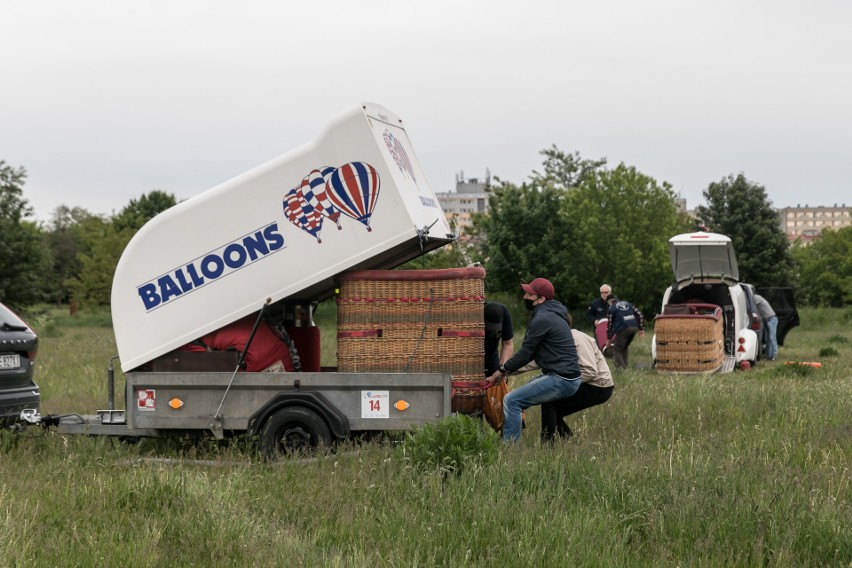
<point x="314" y="191"/>
<point x="353" y="189"/>
<point x="397" y="152"/>
<point x="302" y="214"/>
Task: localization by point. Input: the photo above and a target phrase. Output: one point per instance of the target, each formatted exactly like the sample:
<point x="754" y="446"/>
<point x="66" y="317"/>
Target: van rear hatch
<point x="703" y="256"/>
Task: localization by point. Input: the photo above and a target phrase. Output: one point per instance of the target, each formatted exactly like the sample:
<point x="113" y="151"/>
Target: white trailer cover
<point x="354" y="198"/>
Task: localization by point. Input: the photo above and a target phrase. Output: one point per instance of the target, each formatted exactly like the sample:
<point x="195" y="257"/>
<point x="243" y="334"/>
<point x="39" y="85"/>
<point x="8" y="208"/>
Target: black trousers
<point x="554" y="411"/>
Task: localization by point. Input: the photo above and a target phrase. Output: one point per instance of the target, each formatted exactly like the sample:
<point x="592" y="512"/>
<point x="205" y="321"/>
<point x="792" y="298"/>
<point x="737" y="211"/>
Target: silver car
<point x="18" y="348"/>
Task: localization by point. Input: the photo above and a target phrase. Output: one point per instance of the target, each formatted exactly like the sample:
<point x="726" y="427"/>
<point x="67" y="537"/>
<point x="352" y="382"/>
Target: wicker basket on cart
<point x="690" y="338"/>
<point x="415" y="321"/>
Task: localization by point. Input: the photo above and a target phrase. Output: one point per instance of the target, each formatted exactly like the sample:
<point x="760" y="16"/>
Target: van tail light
<point x="32" y="354"/>
<point x="755" y="322"/>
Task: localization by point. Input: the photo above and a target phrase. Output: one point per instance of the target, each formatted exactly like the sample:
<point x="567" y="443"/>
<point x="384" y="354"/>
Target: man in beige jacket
<point x="596" y="387"/>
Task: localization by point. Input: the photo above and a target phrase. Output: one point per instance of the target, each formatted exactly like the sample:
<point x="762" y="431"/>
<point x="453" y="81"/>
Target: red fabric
<point x="265" y="350"/>
<point x="307" y="340"/>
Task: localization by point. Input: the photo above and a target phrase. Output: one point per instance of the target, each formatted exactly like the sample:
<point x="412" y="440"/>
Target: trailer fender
<point x="336" y="420"/>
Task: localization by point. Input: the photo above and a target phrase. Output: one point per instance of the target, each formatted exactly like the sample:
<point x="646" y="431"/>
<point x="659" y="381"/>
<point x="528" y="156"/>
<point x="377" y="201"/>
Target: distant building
<point x="470" y="196"/>
<point x="807" y="223"/>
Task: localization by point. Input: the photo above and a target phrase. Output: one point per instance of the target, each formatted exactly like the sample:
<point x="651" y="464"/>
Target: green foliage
<point x="451" y="445"/>
<point x="103" y="243"/>
<point x="524" y="235"/>
<point x="741" y="210"/>
<point x="579" y="225"/>
<point x="824" y="275"/>
<point x="24" y="260"/>
<point x="621" y="223"/>
<point x="93" y="286"/>
<point x="140" y="211"/>
<point x="565" y="171"/>
<point x="70" y="233"/>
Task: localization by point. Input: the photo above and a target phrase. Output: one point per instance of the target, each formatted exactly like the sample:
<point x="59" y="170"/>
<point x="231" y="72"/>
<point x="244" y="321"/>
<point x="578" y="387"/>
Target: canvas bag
<point x="492" y="406"/>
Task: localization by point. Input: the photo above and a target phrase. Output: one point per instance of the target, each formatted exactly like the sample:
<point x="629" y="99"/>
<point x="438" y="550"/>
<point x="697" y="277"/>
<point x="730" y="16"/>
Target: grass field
<point x="744" y="469"/>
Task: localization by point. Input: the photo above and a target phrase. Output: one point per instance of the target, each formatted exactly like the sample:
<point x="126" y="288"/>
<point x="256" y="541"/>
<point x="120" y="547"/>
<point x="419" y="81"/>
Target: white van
<point x="705" y="270"/>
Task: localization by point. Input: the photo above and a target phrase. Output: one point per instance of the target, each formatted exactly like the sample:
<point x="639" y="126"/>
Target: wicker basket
<point x="415" y="321"/>
<point x="690" y="341"/>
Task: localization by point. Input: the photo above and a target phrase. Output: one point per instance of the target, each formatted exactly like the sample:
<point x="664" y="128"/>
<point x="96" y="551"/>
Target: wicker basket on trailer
<point x="415" y="321"/>
<point x="689" y="338"/>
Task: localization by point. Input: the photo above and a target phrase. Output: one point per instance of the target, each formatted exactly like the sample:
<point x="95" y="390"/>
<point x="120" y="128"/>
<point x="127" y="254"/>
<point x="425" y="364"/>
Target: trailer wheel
<point x="293" y="429"/>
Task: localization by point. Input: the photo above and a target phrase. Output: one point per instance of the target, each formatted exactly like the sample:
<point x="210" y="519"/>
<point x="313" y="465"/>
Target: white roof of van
<point x="701" y="256"/>
<point x="355" y="198"/>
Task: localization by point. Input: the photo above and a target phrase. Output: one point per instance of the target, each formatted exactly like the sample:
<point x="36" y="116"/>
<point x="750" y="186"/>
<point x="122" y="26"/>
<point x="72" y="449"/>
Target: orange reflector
<point x="401" y="405"/>
<point x="740" y="349"/>
<point x="175" y="403"/>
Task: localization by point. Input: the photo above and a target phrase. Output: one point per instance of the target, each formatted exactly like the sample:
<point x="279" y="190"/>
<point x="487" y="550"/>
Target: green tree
<point x="140" y="211"/>
<point x="70" y="233"/>
<point x="105" y="243"/>
<point x="524" y="234"/>
<point x="580" y="224"/>
<point x="565" y="171"/>
<point x="741" y="210"/>
<point x="92" y="286"/>
<point x="824" y="269"/>
<point x="24" y="259"/>
<point x="622" y="220"/>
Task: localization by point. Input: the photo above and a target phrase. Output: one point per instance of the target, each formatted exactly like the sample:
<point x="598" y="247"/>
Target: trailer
<point x="267" y="246"/>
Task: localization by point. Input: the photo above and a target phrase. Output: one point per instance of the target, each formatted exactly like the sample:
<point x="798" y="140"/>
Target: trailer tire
<point x="293" y="429"/>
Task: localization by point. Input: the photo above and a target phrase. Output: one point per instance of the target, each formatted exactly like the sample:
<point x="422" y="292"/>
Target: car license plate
<point x="10" y="361"/>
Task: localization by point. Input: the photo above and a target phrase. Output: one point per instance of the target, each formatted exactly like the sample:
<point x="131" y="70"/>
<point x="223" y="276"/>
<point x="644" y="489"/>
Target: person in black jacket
<point x="624" y="322"/>
<point x="549" y="342"/>
<point x="599" y="307"/>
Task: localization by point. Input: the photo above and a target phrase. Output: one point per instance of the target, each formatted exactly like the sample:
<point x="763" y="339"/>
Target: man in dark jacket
<point x="599" y="307"/>
<point x="624" y="322"/>
<point x="549" y="342"/>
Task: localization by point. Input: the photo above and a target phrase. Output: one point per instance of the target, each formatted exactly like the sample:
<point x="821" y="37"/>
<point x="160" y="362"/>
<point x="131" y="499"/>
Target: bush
<point x="451" y="444"/>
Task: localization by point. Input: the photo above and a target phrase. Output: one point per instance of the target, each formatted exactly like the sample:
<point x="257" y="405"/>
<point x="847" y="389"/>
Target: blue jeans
<point x="543" y="388"/>
<point x="771" y="340"/>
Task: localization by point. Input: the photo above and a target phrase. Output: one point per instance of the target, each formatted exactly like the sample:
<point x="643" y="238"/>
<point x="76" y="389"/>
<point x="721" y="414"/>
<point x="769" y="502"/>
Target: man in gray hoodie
<point x="549" y="342"/>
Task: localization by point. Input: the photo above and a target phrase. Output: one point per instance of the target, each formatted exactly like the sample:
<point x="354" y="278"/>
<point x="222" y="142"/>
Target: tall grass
<point x="744" y="469"/>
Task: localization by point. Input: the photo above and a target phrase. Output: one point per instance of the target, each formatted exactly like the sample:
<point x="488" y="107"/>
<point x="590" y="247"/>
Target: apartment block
<point x="807" y="222"/>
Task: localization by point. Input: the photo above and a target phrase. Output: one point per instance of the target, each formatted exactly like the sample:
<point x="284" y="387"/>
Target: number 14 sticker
<point x="375" y="404"/>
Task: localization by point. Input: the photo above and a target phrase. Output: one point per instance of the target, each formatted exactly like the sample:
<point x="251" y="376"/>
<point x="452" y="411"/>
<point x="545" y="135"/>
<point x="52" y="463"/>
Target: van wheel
<point x="293" y="429"/>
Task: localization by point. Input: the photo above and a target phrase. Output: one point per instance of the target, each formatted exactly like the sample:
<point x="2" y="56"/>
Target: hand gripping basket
<point x="393" y="321"/>
<point x="690" y="338"/>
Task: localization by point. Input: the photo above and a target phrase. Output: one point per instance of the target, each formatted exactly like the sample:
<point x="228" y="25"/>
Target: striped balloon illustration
<point x="353" y="189"/>
<point x="302" y="214"/>
<point x="314" y="191"/>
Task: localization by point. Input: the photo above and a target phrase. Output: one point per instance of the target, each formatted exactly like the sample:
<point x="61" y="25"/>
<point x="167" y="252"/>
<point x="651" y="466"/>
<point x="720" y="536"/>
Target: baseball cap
<point x="541" y="287"/>
<point x="493" y="317"/>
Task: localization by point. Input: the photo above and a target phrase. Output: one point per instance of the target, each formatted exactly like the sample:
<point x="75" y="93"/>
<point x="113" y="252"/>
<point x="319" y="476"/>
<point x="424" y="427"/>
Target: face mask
<point x="528" y="304"/>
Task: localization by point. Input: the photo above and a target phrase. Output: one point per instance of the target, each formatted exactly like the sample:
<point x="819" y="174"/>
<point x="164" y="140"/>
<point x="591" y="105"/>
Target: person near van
<point x="549" y="342"/>
<point x="598" y="309"/>
<point x="596" y="388"/>
<point x="624" y="321"/>
<point x="770" y="326"/>
<point x="498" y="336"/>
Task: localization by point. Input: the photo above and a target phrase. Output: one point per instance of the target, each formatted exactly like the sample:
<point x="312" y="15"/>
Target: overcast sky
<point x="105" y="100"/>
